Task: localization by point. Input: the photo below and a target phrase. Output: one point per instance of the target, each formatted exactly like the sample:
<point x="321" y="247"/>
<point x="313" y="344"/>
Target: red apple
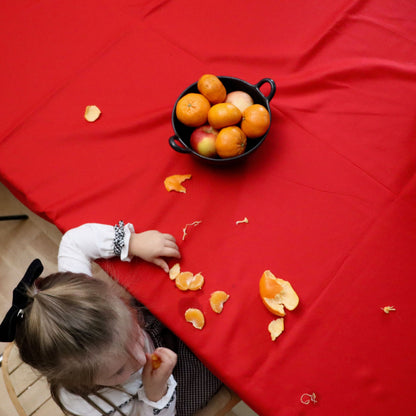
<point x="240" y="99"/>
<point x="203" y="140"/>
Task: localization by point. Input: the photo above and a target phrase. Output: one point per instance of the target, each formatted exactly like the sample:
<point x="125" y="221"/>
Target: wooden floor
<point x="22" y="241"/>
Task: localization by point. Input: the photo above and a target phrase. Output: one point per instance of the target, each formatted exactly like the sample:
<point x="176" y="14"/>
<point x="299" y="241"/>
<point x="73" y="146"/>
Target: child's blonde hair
<point x="70" y="321"/>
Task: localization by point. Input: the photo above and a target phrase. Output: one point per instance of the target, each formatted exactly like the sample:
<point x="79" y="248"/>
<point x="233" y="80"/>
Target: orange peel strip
<point x="92" y="113"/>
<point x="192" y="224"/>
<point x="307" y="398"/>
<point x="174" y="182"/>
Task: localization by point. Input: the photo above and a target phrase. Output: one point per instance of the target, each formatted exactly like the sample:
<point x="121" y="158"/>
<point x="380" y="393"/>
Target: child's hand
<point x="155" y="380"/>
<point x="152" y="246"/>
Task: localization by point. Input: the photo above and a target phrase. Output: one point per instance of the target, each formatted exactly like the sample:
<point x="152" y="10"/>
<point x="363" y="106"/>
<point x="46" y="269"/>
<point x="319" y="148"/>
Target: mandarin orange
<point x="217" y="300"/>
<point x="223" y="115"/>
<point x="211" y="87"/>
<point x="231" y="141"/>
<point x="188" y="281"/>
<point x="192" y="109"/>
<point x="255" y="121"/>
<point x="156" y="361"/>
<point x="195" y="317"/>
<point x="174" y="271"/>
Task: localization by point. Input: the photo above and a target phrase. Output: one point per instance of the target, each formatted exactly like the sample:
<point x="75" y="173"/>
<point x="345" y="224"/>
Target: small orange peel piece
<point x="174" y="271"/>
<point x="275" y="328"/>
<point x="156" y="361"/>
<point x="217" y="300"/>
<point x="185" y="229"/>
<point x="92" y="113"/>
<point x="188" y="281"/>
<point x="195" y="317"/>
<point x="174" y="183"/>
<point x="388" y="309"/>
<point x="307" y="398"/>
<point x="277" y="294"/>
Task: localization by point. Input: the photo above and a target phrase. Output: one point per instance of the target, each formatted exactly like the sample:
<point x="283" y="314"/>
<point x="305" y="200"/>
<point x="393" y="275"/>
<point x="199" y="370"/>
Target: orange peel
<point x="174" y="182"/>
<point x="217" y="300"/>
<point x="92" y="113"/>
<point x="192" y="224"/>
<point x="195" y="317"/>
<point x="388" y="309"/>
<point x="275" y="328"/>
<point x="277" y="294"/>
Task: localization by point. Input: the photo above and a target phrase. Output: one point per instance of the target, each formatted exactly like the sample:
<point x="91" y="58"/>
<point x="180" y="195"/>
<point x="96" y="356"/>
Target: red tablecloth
<point x="330" y="195"/>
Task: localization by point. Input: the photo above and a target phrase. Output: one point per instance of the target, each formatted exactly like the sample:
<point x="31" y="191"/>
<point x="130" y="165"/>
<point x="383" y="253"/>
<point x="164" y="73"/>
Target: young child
<point x="93" y="347"/>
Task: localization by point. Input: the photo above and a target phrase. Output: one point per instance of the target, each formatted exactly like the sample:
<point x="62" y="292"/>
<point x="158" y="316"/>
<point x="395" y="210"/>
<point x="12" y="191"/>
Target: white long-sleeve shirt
<point x="78" y="248"/>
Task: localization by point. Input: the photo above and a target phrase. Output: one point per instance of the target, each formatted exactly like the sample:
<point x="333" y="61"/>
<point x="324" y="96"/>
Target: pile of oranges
<point x="234" y="126"/>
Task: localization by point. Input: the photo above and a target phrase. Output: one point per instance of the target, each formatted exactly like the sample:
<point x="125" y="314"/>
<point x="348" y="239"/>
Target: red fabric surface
<point x="330" y="195"/>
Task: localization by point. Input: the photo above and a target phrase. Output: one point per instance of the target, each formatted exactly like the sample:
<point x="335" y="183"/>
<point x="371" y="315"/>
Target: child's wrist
<point x="154" y="395"/>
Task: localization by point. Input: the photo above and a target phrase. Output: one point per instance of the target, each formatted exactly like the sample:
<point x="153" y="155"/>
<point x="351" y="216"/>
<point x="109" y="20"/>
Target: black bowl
<point x="181" y="140"/>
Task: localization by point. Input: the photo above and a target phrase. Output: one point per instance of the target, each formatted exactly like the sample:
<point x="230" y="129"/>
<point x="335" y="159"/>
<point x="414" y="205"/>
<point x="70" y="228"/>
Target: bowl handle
<point x="175" y="146"/>
<point x="272" y="87"/>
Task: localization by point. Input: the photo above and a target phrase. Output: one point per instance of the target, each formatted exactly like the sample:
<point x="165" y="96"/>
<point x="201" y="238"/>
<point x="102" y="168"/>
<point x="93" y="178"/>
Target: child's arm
<point x="158" y="383"/>
<point x="79" y="246"/>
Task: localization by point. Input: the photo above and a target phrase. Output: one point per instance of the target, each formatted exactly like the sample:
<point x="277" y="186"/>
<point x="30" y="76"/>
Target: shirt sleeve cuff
<point x="167" y="399"/>
<point x="128" y="230"/>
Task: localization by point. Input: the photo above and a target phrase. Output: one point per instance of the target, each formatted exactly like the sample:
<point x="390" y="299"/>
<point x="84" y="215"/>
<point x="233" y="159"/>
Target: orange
<point x="212" y="88"/>
<point x="255" y="121"/>
<point x="223" y="115"/>
<point x="196" y="282"/>
<point x="182" y="280"/>
<point x="276" y="327"/>
<point x="192" y="109"/>
<point x="217" y="300"/>
<point x="174" y="271"/>
<point x="187" y="281"/>
<point x="277" y="294"/>
<point x="231" y="141"/>
<point x="174" y="182"/>
<point x="195" y="317"/>
<point x="156" y="361"/>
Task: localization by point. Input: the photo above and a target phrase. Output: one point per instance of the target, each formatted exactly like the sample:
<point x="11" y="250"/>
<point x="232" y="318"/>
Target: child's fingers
<point x="161" y="263"/>
<point x="170" y="252"/>
<point x="167" y="358"/>
<point x="170" y="237"/>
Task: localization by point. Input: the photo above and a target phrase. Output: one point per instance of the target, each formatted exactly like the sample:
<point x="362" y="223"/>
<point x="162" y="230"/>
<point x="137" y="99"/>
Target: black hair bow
<point x="20" y="301"/>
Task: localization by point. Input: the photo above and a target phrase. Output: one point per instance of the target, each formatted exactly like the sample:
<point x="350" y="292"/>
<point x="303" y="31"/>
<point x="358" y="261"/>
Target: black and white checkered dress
<point x="196" y="384"/>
